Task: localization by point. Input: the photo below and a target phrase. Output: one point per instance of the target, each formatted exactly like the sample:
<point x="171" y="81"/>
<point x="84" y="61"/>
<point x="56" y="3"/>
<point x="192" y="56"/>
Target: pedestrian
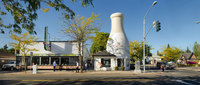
<point x="162" y="67"/>
<point x="77" y="64"/>
<point x="85" y="66"/>
<point x="54" y="66"/>
<point x="20" y="66"/>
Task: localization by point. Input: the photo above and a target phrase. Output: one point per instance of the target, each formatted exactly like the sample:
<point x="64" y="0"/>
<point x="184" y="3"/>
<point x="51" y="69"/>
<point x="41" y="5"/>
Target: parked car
<point x="170" y="65"/>
<point x="159" y="64"/>
<point x="10" y="66"/>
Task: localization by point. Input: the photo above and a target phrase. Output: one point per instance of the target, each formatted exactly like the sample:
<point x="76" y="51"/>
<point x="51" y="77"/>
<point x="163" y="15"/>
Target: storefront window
<point x="55" y="59"/>
<point x="105" y="62"/>
<point x="45" y="60"/>
<point x="36" y="60"/>
<point x="65" y="61"/>
<point x="119" y="64"/>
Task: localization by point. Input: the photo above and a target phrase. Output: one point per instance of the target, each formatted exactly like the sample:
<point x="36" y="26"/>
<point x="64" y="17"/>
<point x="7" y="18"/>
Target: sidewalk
<point x="189" y="68"/>
<point x="50" y="72"/>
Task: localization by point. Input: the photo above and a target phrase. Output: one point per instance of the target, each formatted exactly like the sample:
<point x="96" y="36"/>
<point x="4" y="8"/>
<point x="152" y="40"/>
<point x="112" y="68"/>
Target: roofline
<point x="57" y="41"/>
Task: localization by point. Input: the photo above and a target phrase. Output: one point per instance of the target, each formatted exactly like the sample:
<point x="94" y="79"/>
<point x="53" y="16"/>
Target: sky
<point x="178" y="21"/>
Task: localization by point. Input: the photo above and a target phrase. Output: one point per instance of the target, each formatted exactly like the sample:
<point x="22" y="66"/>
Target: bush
<point x="116" y="68"/>
<point x="181" y="65"/>
<point x="122" y="68"/>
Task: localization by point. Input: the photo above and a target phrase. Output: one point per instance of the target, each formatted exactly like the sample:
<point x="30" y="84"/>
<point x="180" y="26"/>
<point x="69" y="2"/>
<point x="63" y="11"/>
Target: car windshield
<point x="11" y="63"/>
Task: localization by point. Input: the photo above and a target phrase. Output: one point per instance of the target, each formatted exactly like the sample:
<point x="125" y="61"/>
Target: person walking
<point x="77" y="70"/>
<point x="85" y="66"/>
<point x="163" y="67"/>
<point x="54" y="66"/>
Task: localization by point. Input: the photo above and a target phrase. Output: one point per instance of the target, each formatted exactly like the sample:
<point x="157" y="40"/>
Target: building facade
<point x="65" y="53"/>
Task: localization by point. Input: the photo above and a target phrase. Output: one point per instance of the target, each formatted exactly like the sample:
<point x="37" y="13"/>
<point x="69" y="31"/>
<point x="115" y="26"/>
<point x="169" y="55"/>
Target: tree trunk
<point x="24" y="62"/>
<point x="15" y="52"/>
<point x="80" y="57"/>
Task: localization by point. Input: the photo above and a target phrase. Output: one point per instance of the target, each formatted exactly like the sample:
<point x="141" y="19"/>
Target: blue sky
<point x="177" y="17"/>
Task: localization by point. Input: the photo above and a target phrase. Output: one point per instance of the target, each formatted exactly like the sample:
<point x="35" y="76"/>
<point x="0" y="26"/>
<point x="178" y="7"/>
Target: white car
<point x="11" y="65"/>
<point x="170" y="65"/>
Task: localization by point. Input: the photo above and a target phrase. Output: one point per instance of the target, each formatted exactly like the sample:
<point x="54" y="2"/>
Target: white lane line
<point x="180" y="81"/>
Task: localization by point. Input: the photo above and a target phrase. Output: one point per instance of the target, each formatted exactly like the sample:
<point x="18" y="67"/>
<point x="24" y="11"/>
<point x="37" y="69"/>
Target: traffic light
<point x="157" y="26"/>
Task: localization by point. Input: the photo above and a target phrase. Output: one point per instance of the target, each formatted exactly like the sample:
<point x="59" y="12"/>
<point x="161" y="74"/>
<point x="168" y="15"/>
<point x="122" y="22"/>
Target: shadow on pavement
<point x="162" y="80"/>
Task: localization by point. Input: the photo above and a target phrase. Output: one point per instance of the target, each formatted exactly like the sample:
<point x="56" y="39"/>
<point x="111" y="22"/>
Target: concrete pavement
<point x="180" y="76"/>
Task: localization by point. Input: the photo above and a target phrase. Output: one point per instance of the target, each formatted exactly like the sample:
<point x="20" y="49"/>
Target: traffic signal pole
<point x="144" y="41"/>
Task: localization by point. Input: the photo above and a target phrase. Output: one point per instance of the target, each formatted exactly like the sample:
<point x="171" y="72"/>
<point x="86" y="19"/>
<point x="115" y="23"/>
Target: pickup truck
<point x="11" y="65"/>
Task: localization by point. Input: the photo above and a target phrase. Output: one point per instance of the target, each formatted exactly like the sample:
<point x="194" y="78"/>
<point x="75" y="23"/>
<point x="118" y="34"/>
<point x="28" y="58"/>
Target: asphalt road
<point x="182" y="76"/>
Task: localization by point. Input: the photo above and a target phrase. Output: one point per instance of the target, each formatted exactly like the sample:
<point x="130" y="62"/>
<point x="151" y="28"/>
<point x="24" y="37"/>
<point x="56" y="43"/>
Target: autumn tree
<point x="81" y="29"/>
<point x="136" y="50"/>
<point x="99" y="42"/>
<point x="22" y="43"/>
<point x="24" y="12"/>
<point x="171" y="53"/>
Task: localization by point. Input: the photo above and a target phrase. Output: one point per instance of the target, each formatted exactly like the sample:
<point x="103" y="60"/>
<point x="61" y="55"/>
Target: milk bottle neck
<point x="117" y="25"/>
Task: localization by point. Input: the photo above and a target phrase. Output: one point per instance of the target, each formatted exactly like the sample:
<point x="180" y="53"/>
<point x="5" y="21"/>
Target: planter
<point x="122" y="68"/>
<point x="116" y="68"/>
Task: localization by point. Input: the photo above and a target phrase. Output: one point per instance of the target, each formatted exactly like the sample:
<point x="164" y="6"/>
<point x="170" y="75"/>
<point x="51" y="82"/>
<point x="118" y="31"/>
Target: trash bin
<point x="34" y="69"/>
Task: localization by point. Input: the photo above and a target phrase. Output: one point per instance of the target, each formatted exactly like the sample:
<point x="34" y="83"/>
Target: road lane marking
<point x="180" y="81"/>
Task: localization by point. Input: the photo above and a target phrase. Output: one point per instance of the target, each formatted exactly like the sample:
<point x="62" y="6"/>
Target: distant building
<point x="154" y="59"/>
<point x="65" y="53"/>
<point x="5" y="57"/>
<point x="185" y="57"/>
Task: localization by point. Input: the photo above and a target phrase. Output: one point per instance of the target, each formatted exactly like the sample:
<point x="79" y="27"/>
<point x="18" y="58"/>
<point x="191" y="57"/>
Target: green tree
<point x="11" y="50"/>
<point x="136" y="50"/>
<point x="168" y="46"/>
<point x="5" y="47"/>
<point x="171" y="54"/>
<point x="24" y="12"/>
<point x="188" y="50"/>
<point x="196" y="49"/>
<point x="22" y="43"/>
<point x="159" y="53"/>
<point x="81" y="29"/>
<point x="99" y="42"/>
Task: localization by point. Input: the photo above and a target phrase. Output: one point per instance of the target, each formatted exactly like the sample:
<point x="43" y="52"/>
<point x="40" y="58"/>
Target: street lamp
<point x="144" y="22"/>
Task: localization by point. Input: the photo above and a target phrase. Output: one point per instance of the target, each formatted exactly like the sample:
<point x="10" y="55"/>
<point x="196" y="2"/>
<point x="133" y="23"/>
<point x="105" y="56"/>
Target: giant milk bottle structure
<point x="118" y="43"/>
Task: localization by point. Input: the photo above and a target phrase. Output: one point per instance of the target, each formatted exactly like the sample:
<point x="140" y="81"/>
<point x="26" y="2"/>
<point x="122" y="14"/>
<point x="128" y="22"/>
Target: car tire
<point x="12" y="68"/>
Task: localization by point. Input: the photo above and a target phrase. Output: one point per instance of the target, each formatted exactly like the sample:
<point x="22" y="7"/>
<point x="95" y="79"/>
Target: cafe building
<point x="65" y="53"/>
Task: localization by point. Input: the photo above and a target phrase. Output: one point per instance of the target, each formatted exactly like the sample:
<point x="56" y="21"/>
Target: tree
<point x="171" y="54"/>
<point x="5" y="47"/>
<point x="196" y="49"/>
<point x="11" y="50"/>
<point x="188" y="50"/>
<point x="168" y="46"/>
<point x="136" y="50"/>
<point x="99" y="42"/>
<point x="24" y="12"/>
<point x="81" y="29"/>
<point x="159" y="54"/>
<point x="22" y="43"/>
